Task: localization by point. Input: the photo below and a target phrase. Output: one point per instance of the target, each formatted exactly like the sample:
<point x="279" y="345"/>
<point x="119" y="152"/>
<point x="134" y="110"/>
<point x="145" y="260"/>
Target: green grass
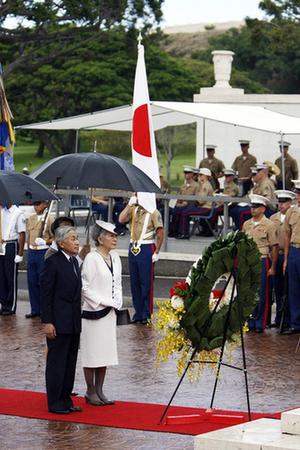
<point x="24" y="156"/>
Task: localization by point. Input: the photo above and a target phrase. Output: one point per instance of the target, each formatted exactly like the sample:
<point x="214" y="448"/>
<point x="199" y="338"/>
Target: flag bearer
<point x="12" y="240"/>
<point x="292" y="261"/>
<point x="263" y="232"/>
<point x="39" y="238"/>
<point x="147" y="236"/>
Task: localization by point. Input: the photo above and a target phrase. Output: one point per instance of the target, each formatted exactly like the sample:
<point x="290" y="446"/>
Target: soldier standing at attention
<point x="147" y="235"/>
<point x="12" y="240"/>
<point x="242" y="165"/>
<point x="216" y="166"/>
<point x="263" y="232"/>
<point x="290" y="167"/>
<point x="285" y="199"/>
<point x="39" y="237"/>
<point x="292" y="261"/>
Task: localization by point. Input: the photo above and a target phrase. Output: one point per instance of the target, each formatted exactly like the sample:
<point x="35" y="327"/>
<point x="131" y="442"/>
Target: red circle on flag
<point x="141" y="142"/>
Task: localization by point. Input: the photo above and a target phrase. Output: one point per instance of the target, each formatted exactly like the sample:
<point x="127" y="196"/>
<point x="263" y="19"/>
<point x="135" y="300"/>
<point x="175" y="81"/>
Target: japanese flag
<point x="143" y="146"/>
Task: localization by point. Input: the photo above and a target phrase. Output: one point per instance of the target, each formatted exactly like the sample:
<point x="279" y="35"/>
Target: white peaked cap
<point x="258" y="200"/>
<point x="204" y="171"/>
<point x="284" y="195"/>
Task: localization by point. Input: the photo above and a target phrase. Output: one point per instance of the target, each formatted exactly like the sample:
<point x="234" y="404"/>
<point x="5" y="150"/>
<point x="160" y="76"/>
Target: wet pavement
<point x="273" y="369"/>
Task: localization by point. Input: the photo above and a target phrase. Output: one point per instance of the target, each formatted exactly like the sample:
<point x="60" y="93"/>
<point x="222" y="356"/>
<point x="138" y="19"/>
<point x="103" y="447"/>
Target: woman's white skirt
<point x="98" y="341"/>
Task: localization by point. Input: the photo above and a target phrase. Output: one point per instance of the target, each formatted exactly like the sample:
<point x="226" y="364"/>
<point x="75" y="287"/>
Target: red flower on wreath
<point x="180" y="288"/>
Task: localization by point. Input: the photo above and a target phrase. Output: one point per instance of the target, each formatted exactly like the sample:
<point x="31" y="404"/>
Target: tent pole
<point x="282" y="161"/>
<point x="203" y="149"/>
<point x="76" y="141"/>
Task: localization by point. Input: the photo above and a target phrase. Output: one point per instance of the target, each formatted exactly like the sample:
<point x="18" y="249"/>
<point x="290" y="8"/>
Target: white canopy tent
<point x="178" y="113"/>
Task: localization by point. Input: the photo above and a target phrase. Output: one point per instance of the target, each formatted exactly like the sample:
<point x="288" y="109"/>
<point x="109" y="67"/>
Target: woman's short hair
<point x="96" y="233"/>
<point x="61" y="233"/>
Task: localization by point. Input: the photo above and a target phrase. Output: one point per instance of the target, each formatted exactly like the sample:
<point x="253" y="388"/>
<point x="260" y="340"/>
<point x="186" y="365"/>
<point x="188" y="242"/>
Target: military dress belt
<point x="144" y="241"/>
<point x="295" y="245"/>
<point x="38" y="247"/>
<point x="9" y="241"/>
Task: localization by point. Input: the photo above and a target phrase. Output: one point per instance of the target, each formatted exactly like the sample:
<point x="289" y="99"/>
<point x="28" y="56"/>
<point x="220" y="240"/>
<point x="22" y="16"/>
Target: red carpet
<point x="136" y="416"/>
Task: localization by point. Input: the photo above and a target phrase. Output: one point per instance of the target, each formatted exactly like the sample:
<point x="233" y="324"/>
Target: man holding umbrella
<point x="12" y="240"/>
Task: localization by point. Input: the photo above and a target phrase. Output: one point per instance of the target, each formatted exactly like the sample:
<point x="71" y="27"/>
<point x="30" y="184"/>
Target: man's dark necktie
<point x="74" y="264"/>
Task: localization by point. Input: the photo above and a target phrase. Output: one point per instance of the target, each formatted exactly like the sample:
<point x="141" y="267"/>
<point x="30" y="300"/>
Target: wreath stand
<point x="233" y="274"/>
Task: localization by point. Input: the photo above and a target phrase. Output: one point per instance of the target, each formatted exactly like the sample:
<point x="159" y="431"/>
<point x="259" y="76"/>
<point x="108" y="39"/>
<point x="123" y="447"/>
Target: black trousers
<point x="9" y="277"/>
<point x="60" y="370"/>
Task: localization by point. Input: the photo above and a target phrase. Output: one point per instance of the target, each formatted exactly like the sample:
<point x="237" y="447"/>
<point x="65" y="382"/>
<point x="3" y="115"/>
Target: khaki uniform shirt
<point x="292" y="225"/>
<point x="263" y="233"/>
<point x="189" y="188"/>
<point x="205" y="189"/>
<point x="34" y="228"/>
<point x="138" y="216"/>
<point x="231" y="189"/>
<point x="215" y="165"/>
<point x="290" y="168"/>
<point x="276" y="219"/>
<point x="265" y="188"/>
<point x="242" y="165"/>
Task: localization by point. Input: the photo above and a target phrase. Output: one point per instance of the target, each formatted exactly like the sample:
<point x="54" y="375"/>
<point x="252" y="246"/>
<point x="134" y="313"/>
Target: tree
<point x="61" y="21"/>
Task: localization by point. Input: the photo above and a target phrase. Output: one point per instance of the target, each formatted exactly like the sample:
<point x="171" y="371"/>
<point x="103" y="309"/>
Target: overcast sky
<point x="181" y="12"/>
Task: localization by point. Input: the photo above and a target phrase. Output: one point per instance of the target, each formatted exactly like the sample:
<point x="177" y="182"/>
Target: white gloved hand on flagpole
<point x="132" y="200"/>
<point x="155" y="257"/>
<point x="18" y="259"/>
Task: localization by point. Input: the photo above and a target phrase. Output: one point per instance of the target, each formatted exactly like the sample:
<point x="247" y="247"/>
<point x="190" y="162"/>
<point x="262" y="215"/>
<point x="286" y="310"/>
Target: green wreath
<point x="217" y="259"/>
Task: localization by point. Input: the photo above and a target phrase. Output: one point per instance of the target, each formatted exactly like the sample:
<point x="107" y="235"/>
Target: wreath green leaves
<point x="217" y="259"/>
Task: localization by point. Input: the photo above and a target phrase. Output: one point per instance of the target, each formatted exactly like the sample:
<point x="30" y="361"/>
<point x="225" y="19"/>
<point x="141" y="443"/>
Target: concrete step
<point x="261" y="434"/>
<point x="290" y="422"/>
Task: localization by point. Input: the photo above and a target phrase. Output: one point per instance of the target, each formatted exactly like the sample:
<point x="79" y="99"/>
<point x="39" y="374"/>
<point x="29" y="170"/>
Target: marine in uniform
<point x="12" y="240"/>
<point x="242" y="165"/>
<point x="202" y="207"/>
<point x="147" y="236"/>
<point x="189" y="187"/>
<point x="290" y="167"/>
<point x="285" y="199"/>
<point x="230" y="187"/>
<point x="39" y="237"/>
<point x="216" y="166"/>
<point x="291" y="262"/>
<point x="262" y="186"/>
<point x="263" y="232"/>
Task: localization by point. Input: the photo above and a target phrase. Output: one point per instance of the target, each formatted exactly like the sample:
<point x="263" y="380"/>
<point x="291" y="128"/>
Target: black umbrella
<point x="16" y="188"/>
<point x="94" y="170"/>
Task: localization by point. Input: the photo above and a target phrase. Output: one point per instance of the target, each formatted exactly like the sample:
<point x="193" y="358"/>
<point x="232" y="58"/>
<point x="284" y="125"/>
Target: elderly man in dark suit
<point x="61" y="314"/>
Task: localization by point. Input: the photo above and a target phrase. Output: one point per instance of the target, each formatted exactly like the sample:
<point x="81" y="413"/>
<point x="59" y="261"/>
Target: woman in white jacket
<point x="101" y="296"/>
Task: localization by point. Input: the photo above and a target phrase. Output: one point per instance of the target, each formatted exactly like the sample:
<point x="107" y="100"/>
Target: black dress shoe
<point x="273" y="325"/>
<point x="144" y="321"/>
<point x="75" y="409"/>
<point x="182" y="236"/>
<point x="59" y="411"/>
<point x="7" y="313"/>
<point x="31" y="315"/>
<point x="291" y="331"/>
<point x="136" y="321"/>
<point x="259" y="330"/>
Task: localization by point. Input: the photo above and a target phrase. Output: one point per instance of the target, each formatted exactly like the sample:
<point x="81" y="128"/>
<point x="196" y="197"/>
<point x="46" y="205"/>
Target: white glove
<point x="40" y="241"/>
<point x="133" y="200"/>
<point x="155" y="257"/>
<point x="18" y="259"/>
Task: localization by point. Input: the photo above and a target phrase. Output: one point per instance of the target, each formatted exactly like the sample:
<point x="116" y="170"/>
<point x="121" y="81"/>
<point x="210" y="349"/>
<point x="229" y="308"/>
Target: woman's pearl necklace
<point x="105" y="257"/>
